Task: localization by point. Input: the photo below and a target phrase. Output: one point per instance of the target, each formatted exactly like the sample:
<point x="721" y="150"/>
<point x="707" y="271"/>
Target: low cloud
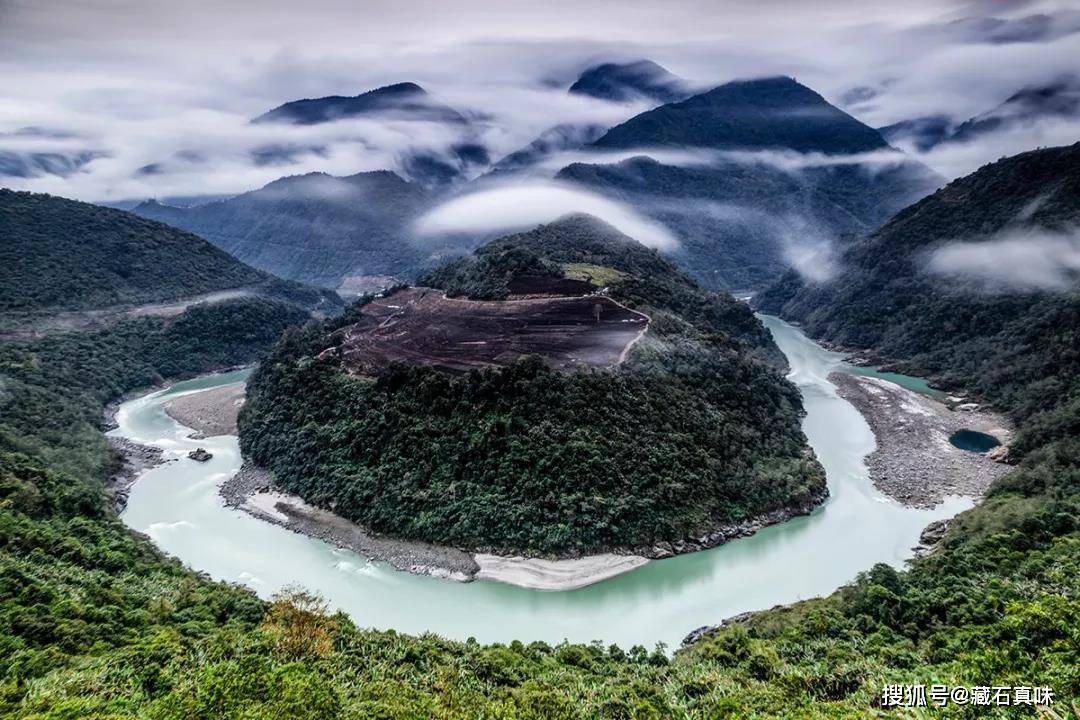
<point x="808" y="252"/>
<point x="1015" y="261"/>
<point x="518" y="207"/>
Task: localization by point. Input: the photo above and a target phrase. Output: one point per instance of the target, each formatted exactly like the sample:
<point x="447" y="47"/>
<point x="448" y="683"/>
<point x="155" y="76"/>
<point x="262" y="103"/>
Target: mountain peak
<point x="627" y="82"/>
<point x="768" y="113"/>
<point x="405" y="100"/>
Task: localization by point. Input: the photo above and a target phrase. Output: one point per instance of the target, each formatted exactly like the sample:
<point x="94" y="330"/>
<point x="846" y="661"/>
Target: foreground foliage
<point x="94" y="623"/>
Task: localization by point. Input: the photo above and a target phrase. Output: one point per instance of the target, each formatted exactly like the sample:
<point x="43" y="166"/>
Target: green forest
<point x="96" y="623"/>
<point x="58" y="254"/>
<point x="690" y="433"/>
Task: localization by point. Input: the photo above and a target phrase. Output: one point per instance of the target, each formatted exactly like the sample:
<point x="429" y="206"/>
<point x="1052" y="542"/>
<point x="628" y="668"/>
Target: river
<point x="178" y="506"/>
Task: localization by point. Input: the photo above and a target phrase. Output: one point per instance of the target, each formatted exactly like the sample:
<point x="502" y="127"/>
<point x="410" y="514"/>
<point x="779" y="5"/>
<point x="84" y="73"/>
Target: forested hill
<point x="771" y="113"/>
<point x="771" y="161"/>
<point x="583" y="247"/>
<point x="313" y="228"/>
<point x="972" y="286"/>
<point x="639" y="80"/>
<point x="58" y="254"/>
<point x="659" y="445"/>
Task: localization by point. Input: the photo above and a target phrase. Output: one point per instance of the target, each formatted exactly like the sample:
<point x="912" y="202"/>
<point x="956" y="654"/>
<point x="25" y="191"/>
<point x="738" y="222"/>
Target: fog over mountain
<point x="124" y="104"/>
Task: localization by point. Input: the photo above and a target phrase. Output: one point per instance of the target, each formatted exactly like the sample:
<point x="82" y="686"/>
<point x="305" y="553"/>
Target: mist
<point x="153" y="83"/>
<point x="521" y="207"/>
<point x="1015" y="261"/>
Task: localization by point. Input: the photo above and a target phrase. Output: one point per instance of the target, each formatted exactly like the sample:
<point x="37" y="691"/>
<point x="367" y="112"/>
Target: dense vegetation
<point x="94" y="623"/>
<point x="635" y="81"/>
<point x="1014" y="348"/>
<point x="53" y="388"/>
<point x="746" y="199"/>
<point x="58" y="254"/>
<point x="771" y="113"/>
<point x="582" y="247"/>
<point x="690" y="433"/>
<point x="313" y="228"/>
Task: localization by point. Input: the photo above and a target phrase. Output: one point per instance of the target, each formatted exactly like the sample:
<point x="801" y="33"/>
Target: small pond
<point x="974" y="441"/>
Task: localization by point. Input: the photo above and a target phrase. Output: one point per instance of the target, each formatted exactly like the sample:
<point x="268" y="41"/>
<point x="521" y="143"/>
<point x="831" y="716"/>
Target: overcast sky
<point x="140" y="81"/>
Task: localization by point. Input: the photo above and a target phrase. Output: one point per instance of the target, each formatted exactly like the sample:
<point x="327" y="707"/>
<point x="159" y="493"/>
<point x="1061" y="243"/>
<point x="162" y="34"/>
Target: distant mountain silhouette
<point x="632" y="81"/>
<point x="773" y="113"/>
<point x="736" y="215"/>
<point x="404" y="100"/>
<point x="1057" y="99"/>
<point x="315" y="227"/>
<point x="560" y="138"/>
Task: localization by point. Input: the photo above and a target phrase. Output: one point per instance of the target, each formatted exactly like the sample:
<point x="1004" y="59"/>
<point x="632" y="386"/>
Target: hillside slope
<point x="314" y="228"/>
<point x="769" y="166"/>
<point x="58" y="254"/>
<point x="954" y="286"/>
<point x="662" y="444"/>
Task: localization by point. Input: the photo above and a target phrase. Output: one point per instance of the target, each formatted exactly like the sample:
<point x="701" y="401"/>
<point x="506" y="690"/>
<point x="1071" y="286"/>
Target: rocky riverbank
<point x="214" y="411"/>
<point x="914" y="461"/>
<point x="208" y="412"/>
<point x="251" y="490"/>
<point x="733" y="531"/>
<point x="131" y="461"/>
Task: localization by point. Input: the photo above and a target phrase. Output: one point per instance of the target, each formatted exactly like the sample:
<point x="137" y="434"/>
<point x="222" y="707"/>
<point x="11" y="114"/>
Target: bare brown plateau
<point x="422" y="326"/>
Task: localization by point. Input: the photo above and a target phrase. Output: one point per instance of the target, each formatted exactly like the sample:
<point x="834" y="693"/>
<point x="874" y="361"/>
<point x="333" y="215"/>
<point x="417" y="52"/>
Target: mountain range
<point x="738" y="214"/>
<point x="771" y="166"/>
<point x="1057" y="99"/>
<point x="972" y="286"/>
<point x="313" y="228"/>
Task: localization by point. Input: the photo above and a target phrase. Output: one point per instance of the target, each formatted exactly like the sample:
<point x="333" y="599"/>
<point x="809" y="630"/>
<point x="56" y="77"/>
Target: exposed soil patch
<point x="422" y="326"/>
<point x="523" y="286"/>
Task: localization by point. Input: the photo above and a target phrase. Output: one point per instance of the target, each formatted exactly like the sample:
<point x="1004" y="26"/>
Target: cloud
<point x="519" y="207"/>
<point x="1018" y="260"/>
<point x="146" y="81"/>
<point x="808" y="252"/>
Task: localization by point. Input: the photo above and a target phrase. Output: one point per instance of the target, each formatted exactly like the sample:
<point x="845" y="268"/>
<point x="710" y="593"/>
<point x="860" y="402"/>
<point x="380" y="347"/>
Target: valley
<point x="503" y="361"/>
<point x="659" y="601"/>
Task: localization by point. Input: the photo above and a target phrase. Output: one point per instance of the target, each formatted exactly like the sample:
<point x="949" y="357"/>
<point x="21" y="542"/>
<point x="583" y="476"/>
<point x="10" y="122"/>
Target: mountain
<point x="745" y="199"/>
<point x="769" y="114"/>
<point x="970" y="286"/>
<point x="583" y="394"/>
<point x="313" y="228"/>
<point x="58" y="254"/>
<point x="556" y="139"/>
<point x="1057" y="99"/>
<point x="638" y="81"/>
<point x="921" y="133"/>
<point x="404" y="100"/>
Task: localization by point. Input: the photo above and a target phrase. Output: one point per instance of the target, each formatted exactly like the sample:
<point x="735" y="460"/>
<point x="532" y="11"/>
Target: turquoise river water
<point x="178" y="506"/>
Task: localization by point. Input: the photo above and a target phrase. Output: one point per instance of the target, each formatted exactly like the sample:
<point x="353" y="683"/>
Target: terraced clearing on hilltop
<point x="422" y="326"/>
